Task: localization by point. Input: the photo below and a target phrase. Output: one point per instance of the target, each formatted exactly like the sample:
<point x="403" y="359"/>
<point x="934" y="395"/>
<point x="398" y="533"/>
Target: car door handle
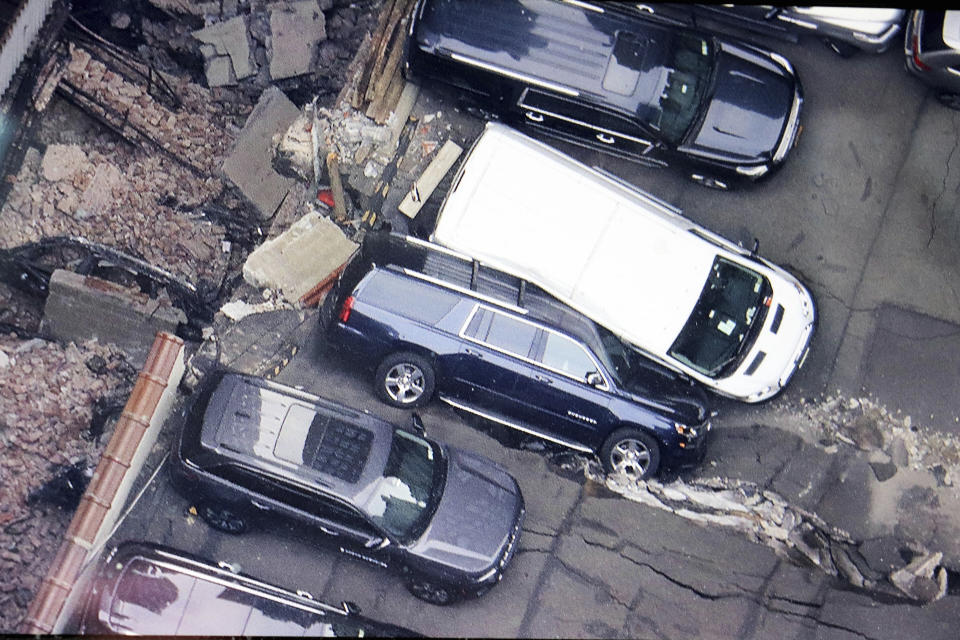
<point x="471" y="352"/>
<point x="534" y="117"/>
<point x="260" y="505"/>
<point x="329" y="532"/>
<point x="605" y="139"/>
<point x="543" y="379"/>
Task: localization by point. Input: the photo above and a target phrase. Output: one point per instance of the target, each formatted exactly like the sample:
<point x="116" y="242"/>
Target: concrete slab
<point x="249" y="164"/>
<point x="82" y="307"/>
<point x="230" y="38"/>
<point x="299" y="258"/>
<point x="295" y="29"/>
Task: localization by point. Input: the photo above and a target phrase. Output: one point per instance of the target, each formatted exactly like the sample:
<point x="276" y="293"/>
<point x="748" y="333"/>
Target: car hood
<point x="680" y="398"/>
<point x="748" y="110"/>
<point x="481" y="502"/>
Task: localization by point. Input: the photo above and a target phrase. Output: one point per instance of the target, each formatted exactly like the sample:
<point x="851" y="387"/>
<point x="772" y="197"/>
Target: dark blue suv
<point x="502" y="349"/>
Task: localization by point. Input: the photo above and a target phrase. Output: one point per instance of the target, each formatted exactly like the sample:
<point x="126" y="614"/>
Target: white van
<point x="683" y="295"/>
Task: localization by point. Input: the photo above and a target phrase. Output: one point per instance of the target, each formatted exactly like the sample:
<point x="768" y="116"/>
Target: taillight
<point x="916" y="54"/>
<point x="345" y="309"/>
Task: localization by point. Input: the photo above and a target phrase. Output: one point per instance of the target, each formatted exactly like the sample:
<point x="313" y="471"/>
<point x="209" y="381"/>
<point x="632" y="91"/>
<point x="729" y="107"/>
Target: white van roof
<point x="624" y="260"/>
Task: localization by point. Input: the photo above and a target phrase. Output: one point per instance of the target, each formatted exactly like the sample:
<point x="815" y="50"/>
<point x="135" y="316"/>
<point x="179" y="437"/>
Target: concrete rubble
<point x="768" y="518"/>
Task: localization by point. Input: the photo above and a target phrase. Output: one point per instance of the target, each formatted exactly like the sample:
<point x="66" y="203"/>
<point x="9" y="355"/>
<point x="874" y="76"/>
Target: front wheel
<point x="632" y="453"/>
<point x="430" y="592"/>
<point x="405" y="380"/>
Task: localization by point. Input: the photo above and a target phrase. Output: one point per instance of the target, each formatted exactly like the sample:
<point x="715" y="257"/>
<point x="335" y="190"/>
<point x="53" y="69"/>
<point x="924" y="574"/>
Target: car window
<point x="149" y="599"/>
<point x="563" y="354"/>
<point x="573" y="111"/>
<point x="718" y="332"/>
<point x="687" y="83"/>
<point x="505" y="333"/>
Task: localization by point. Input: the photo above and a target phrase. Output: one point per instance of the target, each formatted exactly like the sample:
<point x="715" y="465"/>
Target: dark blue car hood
<point x="750" y="104"/>
<point x="476" y="514"/>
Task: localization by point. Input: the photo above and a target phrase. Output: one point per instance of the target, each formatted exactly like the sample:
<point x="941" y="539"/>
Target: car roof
<point x="481" y="282"/>
<point x="303" y="610"/>
<point x="627" y="260"/>
<point x="304" y="437"/>
<point x="567" y="46"/>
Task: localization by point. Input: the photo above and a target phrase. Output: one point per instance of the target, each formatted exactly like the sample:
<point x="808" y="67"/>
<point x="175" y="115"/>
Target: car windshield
<point x="686" y="83"/>
<point x="716" y="335"/>
<point x="407" y="494"/>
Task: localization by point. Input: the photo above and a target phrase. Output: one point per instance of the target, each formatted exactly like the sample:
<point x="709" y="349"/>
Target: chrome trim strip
<point x="586" y="125"/>
<point x="513" y="74"/>
<point x="482" y="414"/>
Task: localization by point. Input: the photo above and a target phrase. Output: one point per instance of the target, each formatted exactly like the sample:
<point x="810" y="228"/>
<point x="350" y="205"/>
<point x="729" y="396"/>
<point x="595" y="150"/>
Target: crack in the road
<point x="946" y="174"/>
<point x="595" y="582"/>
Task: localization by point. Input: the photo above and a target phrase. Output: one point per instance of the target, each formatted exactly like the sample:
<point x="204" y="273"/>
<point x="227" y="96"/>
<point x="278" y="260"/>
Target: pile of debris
<point x="48" y="400"/>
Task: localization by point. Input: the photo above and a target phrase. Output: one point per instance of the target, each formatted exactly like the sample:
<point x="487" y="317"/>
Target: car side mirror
<point x="350" y="608"/>
<point x="756" y="247"/>
<point x="594" y="379"/>
<point x="416" y="423"/>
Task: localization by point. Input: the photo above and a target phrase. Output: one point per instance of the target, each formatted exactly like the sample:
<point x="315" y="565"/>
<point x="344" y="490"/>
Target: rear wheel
<point x="223" y="518"/>
<point x="951" y="100"/>
<point x="632" y="453"/>
<point x="431" y="592"/>
<point x="405" y="380"/>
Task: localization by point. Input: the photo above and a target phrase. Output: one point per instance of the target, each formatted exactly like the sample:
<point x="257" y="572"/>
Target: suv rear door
<point x="556" y="392"/>
<point x="493" y="350"/>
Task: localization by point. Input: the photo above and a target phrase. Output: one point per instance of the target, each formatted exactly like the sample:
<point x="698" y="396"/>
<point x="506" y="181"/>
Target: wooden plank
<point x="336" y="186"/>
<point x="390" y="68"/>
<point x="390" y="98"/>
<point x="423" y="186"/>
<point x="378" y="35"/>
<point x="393" y="24"/>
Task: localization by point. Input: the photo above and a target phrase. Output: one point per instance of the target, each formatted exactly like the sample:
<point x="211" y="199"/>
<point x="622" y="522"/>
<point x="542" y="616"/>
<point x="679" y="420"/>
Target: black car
<point x="148" y="589"/>
<point x="436" y="323"/>
<point x="932" y="52"/>
<point x="251" y="450"/>
<point x="721" y="110"/>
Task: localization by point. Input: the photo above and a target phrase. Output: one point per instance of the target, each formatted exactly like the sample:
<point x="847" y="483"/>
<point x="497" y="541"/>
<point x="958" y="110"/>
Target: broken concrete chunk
<point x="99" y="196"/>
<point x="300" y="258"/>
<point x="230" y="38"/>
<point x="917" y="580"/>
<point x="250" y="165"/>
<point x="62" y="161"/>
<point x="295" y="29"/>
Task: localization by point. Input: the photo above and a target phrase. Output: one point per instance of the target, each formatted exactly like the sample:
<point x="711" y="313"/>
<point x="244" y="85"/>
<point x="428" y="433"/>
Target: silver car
<point x="932" y="52"/>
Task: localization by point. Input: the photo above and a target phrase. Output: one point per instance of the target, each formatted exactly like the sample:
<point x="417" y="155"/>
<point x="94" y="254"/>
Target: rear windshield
<point x="718" y="332"/>
<point x="156" y="599"/>
<point x="408" y="297"/>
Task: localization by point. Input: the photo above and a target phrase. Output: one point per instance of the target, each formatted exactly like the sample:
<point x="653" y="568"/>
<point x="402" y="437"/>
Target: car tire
<point x="632" y="453"/>
<point x="223" y="518"/>
<point x="949" y="100"/>
<point x="430" y="592"/>
<point x="405" y="380"/>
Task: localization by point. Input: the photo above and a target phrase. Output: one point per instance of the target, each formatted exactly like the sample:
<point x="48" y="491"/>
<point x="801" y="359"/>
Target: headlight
<point x="753" y="172"/>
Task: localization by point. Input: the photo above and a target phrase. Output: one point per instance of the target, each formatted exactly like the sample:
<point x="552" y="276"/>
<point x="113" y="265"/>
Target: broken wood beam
<point x="423" y="187"/>
<point x="336" y="187"/>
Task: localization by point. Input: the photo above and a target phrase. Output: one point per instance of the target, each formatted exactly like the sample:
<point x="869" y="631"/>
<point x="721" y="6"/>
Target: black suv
<point x="435" y="322"/>
<point x="723" y="110"/>
<point x="252" y="449"/>
<point x="148" y="589"/>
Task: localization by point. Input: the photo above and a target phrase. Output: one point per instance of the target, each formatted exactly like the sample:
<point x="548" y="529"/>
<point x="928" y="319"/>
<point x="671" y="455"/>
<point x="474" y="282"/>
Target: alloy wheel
<point x="404" y="382"/>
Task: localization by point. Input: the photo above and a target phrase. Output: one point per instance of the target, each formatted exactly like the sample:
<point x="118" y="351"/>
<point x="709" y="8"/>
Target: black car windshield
<point x="687" y="81"/>
<point x="406" y="495"/>
<point x="718" y="330"/>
